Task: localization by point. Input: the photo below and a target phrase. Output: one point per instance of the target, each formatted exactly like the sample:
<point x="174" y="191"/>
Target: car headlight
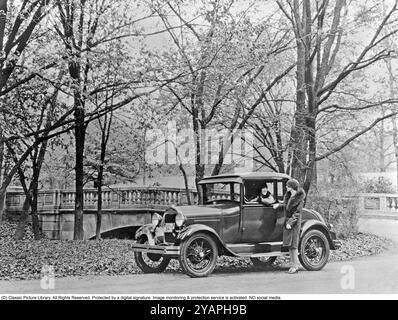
<point x="180" y="219"/>
<point x="156" y="218"/>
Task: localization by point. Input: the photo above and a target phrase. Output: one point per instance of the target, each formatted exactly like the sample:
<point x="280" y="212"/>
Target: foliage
<point x="307" y="89"/>
<point x="338" y="210"/>
<point x="124" y="152"/>
<point x="377" y="185"/>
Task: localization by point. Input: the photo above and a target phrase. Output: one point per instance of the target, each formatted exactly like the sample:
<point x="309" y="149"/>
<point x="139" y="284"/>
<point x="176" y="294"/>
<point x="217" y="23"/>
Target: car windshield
<point x="221" y="191"/>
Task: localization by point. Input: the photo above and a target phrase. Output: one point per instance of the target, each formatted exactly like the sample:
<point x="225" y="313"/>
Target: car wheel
<point x="314" y="250"/>
<point x="198" y="255"/>
<point x="150" y="262"/>
<point x="263" y="261"/>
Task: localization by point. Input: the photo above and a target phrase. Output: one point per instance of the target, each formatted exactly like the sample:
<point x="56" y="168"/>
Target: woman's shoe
<point x="292" y="271"/>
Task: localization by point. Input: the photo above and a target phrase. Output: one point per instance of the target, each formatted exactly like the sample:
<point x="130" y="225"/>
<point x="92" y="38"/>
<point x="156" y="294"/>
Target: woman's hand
<point x="276" y="206"/>
<point x="288" y="226"/>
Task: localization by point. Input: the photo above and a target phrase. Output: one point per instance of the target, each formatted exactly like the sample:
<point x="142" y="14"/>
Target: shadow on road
<point x="238" y="269"/>
<point x="251" y="269"/>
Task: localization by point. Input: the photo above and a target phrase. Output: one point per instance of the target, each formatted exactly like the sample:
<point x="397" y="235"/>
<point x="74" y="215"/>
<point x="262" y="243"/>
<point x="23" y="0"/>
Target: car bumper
<point x="163" y="250"/>
<point x="336" y="243"/>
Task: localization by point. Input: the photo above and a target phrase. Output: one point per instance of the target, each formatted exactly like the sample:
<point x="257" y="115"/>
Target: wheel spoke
<point x="199" y="254"/>
<point x="314" y="250"/>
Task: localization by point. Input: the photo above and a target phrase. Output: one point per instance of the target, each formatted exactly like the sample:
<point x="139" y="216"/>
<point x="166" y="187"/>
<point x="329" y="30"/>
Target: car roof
<point x="239" y="177"/>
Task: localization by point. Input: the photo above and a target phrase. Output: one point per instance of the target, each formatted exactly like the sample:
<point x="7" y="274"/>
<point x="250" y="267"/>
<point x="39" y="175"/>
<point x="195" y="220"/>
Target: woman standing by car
<point x="293" y="203"/>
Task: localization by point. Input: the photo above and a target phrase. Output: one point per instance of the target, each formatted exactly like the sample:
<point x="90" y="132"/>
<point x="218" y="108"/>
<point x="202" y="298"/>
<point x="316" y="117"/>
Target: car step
<point x="251" y="249"/>
<point x="264" y="255"/>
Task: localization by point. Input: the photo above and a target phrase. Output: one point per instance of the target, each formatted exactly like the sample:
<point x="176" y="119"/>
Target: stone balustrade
<point x="133" y="206"/>
<point x="378" y="205"/>
<point x="123" y="198"/>
<point x="119" y="198"/>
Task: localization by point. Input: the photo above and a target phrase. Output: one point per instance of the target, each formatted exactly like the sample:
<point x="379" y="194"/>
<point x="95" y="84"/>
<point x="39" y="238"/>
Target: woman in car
<point x="264" y="197"/>
<point x="293" y="204"/>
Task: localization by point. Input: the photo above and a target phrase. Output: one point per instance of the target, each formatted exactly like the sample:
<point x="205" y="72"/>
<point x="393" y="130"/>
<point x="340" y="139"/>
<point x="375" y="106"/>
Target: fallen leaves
<point x="360" y="245"/>
<point x="25" y="259"/>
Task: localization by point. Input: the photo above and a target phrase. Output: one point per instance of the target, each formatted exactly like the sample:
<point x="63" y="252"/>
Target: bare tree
<point x="318" y="75"/>
<point x="16" y="30"/>
<point x="86" y="27"/>
<point x="213" y="92"/>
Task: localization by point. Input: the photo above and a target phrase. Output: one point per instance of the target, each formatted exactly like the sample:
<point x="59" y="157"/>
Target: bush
<point x="337" y="210"/>
<point x="378" y="185"/>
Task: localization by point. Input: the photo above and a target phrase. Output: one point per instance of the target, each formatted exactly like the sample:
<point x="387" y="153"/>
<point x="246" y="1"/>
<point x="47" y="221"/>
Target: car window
<point x="281" y="190"/>
<point x="221" y="191"/>
<point x="253" y="189"/>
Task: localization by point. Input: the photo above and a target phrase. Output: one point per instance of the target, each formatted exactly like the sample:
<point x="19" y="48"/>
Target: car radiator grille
<point x="168" y="236"/>
<point x="169" y="218"/>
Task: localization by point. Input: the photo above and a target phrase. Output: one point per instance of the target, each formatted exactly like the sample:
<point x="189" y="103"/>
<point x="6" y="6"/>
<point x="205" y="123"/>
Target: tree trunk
<point x="199" y="165"/>
<point x="99" y="193"/>
<point x="298" y="139"/>
<point x="394" y="119"/>
<point x="7" y="178"/>
<point x="2" y="193"/>
<point x="37" y="232"/>
<point x="310" y="165"/>
<point x="37" y="165"/>
<point x="382" y="156"/>
<point x="99" y="210"/>
<point x="395" y="142"/>
<point x="20" y="231"/>
<point x="184" y="174"/>
<point x="312" y="100"/>
<point x="2" y="203"/>
<point x="80" y="131"/>
<point x="304" y="132"/>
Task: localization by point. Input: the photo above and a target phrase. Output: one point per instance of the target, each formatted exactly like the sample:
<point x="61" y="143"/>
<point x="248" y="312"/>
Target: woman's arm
<point x="252" y="199"/>
<point x="270" y="200"/>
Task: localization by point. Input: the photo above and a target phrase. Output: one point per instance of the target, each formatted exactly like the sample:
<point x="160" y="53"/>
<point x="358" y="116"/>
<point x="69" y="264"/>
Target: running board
<point x="265" y="255"/>
<point x="257" y="249"/>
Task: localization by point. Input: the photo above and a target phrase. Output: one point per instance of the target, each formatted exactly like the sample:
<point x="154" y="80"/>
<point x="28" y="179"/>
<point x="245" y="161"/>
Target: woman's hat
<point x="294" y="184"/>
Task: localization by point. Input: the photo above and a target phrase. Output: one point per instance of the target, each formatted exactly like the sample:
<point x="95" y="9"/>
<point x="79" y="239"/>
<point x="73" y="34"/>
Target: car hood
<point x="205" y="211"/>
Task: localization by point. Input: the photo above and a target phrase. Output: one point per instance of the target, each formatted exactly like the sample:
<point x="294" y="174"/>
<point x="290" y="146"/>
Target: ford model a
<point x="230" y="221"/>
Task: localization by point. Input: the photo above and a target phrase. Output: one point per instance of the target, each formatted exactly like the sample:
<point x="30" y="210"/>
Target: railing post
<point x="383" y="203"/>
<point x="361" y="204"/>
<point x="57" y="199"/>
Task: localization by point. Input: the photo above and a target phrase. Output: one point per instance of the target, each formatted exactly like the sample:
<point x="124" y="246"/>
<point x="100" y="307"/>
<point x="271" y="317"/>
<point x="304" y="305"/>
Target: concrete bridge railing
<point x="379" y="214"/>
<point x="378" y="205"/>
<point x="134" y="206"/>
<point x="122" y="207"/>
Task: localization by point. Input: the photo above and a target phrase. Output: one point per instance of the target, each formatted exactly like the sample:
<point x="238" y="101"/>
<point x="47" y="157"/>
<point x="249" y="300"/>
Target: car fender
<point x="318" y="225"/>
<point x="148" y="231"/>
<point x="195" y="228"/>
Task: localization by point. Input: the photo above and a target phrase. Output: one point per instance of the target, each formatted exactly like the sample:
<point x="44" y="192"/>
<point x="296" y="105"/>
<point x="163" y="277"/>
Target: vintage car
<point x="229" y="222"/>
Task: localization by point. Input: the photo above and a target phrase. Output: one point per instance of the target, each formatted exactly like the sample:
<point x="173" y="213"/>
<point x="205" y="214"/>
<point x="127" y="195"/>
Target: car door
<point x="258" y="223"/>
